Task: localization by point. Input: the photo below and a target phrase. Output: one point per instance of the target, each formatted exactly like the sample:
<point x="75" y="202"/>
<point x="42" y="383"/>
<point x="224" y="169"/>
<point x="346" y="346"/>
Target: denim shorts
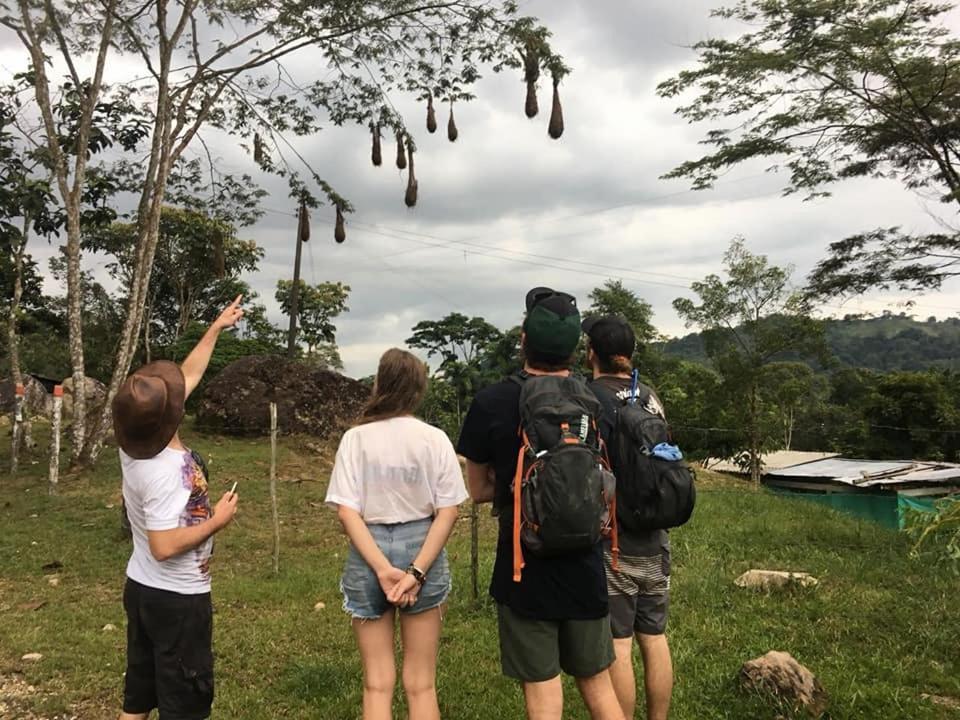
<point x="363" y="598"/>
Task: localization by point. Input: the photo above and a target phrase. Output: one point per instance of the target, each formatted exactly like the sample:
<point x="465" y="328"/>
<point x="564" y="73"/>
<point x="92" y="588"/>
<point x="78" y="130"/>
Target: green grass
<point x="880" y="631"/>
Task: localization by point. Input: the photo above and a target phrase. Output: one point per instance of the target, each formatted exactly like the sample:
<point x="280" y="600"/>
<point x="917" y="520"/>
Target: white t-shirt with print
<point x="396" y="471"/>
<point x="162" y="493"/>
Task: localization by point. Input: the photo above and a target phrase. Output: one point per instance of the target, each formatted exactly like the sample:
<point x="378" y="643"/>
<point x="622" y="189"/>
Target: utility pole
<point x="303" y="234"/>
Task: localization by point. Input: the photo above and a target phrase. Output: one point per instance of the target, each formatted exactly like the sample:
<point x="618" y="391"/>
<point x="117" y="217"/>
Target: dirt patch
<point x="16" y="697"/>
<point x="310" y="401"/>
<point x="942" y="701"/>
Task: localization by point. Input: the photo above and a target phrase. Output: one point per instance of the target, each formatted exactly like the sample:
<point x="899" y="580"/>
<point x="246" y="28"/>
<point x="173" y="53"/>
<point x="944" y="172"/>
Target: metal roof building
<point x="881" y="490"/>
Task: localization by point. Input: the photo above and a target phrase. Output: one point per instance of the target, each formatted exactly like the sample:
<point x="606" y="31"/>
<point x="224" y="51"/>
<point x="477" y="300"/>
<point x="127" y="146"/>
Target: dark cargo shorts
<point x="537" y="650"/>
<point x="169" y="654"/>
<point x="639" y="594"/>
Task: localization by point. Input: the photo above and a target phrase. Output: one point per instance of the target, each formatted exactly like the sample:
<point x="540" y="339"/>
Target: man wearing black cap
<point x="555" y="618"/>
<point x="640" y="587"/>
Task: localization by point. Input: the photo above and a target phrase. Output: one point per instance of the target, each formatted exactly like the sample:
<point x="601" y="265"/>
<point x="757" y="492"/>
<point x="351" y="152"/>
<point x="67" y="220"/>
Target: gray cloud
<point x="506" y="208"/>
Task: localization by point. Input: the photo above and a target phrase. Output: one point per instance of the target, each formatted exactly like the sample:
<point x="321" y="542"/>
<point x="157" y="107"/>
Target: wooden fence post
<point x="17" y="428"/>
<point x="475" y="550"/>
<point x="273" y="488"/>
<point x="55" y="438"/>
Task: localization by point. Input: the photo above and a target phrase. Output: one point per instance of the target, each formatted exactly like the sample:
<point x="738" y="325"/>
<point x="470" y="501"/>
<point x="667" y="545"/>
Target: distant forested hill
<point x="890" y="342"/>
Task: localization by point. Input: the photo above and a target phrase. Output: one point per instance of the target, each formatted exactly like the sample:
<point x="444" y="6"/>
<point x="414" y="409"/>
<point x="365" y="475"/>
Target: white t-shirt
<point x="165" y="492"/>
<point x="396" y="471"/>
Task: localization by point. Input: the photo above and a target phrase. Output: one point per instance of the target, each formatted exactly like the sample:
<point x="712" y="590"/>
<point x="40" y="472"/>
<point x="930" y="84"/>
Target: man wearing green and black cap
<point x="555" y="619"/>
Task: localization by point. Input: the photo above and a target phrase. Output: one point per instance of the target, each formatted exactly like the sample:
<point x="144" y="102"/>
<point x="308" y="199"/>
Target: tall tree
<point x="750" y="320"/>
<point x="913" y="416"/>
<point x="613" y="298"/>
<point x="794" y="391"/>
<point x="371" y="49"/>
<point x="833" y="90"/>
<point x="197" y="266"/>
<point x="317" y="307"/>
<point x="461" y="342"/>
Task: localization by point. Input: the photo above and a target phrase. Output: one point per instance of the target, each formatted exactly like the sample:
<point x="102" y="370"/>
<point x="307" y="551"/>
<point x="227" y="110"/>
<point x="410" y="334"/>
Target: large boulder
<point x="310" y="400"/>
<point x="37" y="401"/>
<point x="96" y="395"/>
<point x="790" y="685"/>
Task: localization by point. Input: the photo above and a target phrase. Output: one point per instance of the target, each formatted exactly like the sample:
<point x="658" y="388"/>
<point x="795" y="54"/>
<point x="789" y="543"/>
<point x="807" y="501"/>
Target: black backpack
<point x="564" y="495"/>
<point x="653" y="493"/>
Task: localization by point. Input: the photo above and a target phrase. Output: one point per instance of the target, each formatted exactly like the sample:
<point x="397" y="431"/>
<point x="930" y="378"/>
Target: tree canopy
<point x="226" y="67"/>
<point x="317" y="307"/>
<point x="832" y="90"/>
<point x="750" y="320"/>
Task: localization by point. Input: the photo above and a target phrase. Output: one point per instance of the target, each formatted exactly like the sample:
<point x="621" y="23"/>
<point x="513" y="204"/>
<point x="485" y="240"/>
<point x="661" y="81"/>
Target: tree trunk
<point x="754" y="436"/>
<point x="13" y="337"/>
<point x="790" y="422"/>
<point x="129" y="337"/>
<point x="148" y="225"/>
<point x="75" y="322"/>
<point x="148" y="314"/>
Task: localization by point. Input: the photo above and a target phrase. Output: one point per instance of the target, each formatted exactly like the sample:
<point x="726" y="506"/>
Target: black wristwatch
<point x="417" y="573"/>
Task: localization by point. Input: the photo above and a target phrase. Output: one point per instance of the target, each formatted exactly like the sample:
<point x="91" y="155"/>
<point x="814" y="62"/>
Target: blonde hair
<point x="398" y="389"/>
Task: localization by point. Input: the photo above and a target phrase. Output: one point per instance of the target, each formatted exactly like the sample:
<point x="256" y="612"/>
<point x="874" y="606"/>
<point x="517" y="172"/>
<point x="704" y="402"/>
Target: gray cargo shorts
<point x="639" y="592"/>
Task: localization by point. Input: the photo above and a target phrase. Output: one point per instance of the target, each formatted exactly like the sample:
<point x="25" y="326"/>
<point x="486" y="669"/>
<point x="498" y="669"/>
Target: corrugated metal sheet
<point x="773" y="461"/>
<point x="872" y="473"/>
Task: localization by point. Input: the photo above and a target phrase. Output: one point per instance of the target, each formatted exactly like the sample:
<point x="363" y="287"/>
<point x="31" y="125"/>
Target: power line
<point x="612" y="271"/>
<point x="578" y="270"/>
<point x="871" y="426"/>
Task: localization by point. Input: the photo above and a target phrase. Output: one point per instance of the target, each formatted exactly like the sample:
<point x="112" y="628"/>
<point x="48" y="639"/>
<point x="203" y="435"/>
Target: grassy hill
<point x="890" y="342"/>
<point x="880" y="630"/>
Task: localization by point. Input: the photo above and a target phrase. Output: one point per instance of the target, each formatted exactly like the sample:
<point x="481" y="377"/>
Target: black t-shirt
<point x="635" y="543"/>
<point x="566" y="587"/>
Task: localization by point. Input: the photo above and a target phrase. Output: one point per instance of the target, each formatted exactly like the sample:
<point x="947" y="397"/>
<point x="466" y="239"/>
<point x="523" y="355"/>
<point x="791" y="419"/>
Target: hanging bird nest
<point x="401" y="153"/>
<point x="339" y="232"/>
<point x="431" y="115"/>
<point x="531" y="73"/>
<point x="410" y="198"/>
<point x="532" y="107"/>
<point x="452" y="132"/>
<point x="303" y="222"/>
<point x="376" y="154"/>
<point x="257" y="149"/>
<point x="555" y="128"/>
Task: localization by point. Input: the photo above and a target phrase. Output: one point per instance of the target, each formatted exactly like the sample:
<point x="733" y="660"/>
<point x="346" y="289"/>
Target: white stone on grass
<point x="775" y="579"/>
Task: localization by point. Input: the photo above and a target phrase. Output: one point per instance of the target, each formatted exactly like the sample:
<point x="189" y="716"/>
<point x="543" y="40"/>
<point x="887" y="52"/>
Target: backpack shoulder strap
<point x="519" y="377"/>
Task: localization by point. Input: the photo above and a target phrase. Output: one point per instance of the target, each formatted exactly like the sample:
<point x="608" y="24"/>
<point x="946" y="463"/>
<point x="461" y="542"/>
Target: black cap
<point x="539" y="294"/>
<point x="610" y="335"/>
<point x="552" y="324"/>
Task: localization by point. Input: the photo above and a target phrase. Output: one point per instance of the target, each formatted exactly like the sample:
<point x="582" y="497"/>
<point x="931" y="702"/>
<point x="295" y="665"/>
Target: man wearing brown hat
<point x="554" y="618"/>
<point x="167" y="592"/>
<point x="639" y="586"/>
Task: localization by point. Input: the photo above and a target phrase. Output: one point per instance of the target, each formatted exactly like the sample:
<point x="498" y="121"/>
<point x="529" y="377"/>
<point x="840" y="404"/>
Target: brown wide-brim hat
<point x="148" y="408"/>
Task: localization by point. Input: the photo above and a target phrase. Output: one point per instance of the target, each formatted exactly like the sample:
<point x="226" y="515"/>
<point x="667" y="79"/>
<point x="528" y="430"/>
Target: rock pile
<point x="310" y="400"/>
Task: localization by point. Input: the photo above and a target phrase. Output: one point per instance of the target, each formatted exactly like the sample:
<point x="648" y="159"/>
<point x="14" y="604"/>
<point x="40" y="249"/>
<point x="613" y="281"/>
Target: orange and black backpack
<point x="564" y="495"/>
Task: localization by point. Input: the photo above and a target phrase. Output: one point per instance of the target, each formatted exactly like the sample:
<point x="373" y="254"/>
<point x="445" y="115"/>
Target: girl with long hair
<point x="396" y="485"/>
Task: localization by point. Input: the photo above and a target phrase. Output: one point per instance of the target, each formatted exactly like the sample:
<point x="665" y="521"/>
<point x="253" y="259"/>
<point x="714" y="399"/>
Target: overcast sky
<point x="506" y="208"/>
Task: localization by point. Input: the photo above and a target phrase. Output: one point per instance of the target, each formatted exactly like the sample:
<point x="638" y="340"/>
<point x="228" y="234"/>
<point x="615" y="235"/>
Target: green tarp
<point x="887" y="509"/>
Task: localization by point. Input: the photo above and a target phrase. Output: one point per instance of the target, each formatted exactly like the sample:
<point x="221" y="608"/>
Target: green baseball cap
<point x="552" y="324"/>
